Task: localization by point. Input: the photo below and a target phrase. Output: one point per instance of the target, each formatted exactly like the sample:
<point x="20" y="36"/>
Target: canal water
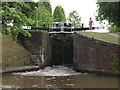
<point x="57" y="77"/>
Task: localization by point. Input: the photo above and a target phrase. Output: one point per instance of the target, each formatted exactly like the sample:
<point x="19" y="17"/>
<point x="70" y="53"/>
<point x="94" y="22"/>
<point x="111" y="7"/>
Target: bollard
<point x="82" y="25"/>
<point x="44" y="25"/>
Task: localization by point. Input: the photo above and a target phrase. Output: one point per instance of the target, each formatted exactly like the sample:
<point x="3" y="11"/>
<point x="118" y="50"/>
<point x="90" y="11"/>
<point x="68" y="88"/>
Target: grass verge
<point x="11" y="50"/>
<point x="102" y="36"/>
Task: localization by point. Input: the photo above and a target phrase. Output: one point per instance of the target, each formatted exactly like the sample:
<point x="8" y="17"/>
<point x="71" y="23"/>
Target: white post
<point x="37" y="15"/>
<point x="62" y="28"/>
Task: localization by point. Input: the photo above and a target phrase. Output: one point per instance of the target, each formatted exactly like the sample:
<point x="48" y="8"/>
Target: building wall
<point x="93" y="54"/>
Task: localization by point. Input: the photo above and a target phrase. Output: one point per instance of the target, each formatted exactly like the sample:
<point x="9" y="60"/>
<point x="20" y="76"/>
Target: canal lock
<point x="62" y="49"/>
<point x="58" y="76"/>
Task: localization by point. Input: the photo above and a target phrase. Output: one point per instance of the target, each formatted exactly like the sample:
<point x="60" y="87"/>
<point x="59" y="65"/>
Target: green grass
<point x="102" y="36"/>
<point x="8" y="60"/>
<point x="11" y="50"/>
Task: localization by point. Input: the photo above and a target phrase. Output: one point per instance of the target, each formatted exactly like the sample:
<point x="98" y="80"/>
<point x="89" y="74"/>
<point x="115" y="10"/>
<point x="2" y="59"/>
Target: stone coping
<point x="97" y="40"/>
<point x="98" y="72"/>
<point x="18" y="69"/>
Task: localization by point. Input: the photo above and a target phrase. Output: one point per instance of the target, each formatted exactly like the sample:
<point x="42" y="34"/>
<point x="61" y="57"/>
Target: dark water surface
<point x="58" y="77"/>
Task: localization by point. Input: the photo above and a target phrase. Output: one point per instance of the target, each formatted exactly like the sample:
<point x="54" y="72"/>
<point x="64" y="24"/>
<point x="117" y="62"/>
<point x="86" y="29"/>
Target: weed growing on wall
<point x="26" y="63"/>
<point x="114" y="65"/>
<point x="92" y="38"/>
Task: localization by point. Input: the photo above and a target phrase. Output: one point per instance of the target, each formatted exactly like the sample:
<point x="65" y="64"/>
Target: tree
<point x="47" y="6"/>
<point x="109" y="11"/>
<point x="45" y="16"/>
<point x="19" y="14"/>
<point x="59" y="15"/>
<point x="24" y="14"/>
<point x="74" y="18"/>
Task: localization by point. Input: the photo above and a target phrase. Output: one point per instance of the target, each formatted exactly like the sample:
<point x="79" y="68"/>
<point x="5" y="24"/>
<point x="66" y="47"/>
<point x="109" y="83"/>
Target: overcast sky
<point x="85" y="8"/>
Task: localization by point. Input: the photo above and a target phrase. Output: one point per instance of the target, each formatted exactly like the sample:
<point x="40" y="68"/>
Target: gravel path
<point x="117" y="35"/>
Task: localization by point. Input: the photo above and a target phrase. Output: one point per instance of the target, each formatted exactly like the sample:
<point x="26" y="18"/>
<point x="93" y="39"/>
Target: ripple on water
<point x="70" y="84"/>
<point x="8" y="86"/>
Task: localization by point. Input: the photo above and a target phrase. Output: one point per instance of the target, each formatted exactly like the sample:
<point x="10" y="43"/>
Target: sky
<point x="85" y="8"/>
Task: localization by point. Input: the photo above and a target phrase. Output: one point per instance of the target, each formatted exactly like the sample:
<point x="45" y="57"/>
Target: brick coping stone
<point x="18" y="69"/>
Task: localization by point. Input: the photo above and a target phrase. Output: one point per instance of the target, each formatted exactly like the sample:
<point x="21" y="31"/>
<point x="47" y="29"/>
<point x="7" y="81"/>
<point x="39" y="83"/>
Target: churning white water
<point x="57" y="77"/>
<point x="51" y="71"/>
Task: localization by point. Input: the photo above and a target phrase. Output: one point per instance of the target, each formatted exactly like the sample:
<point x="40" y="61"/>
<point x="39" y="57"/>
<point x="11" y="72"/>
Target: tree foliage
<point x="74" y="18"/>
<point x="47" y="6"/>
<point x="46" y="15"/>
<point x="109" y="11"/>
<point x="24" y="14"/>
<point x="17" y="13"/>
<point x="59" y="15"/>
<point x="114" y="29"/>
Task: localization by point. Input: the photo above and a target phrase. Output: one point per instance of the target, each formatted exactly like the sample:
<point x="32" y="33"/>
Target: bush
<point x="114" y="29"/>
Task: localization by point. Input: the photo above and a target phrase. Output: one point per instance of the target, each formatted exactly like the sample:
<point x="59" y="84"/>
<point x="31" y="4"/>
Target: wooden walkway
<point x="61" y="32"/>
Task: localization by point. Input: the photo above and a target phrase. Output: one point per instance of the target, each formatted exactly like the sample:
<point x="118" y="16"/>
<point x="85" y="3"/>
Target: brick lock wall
<point x="93" y="54"/>
<point x="37" y="44"/>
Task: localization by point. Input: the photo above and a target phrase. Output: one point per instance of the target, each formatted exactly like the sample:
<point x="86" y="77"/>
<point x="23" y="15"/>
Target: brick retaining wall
<point x="38" y="45"/>
<point x="93" y="54"/>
